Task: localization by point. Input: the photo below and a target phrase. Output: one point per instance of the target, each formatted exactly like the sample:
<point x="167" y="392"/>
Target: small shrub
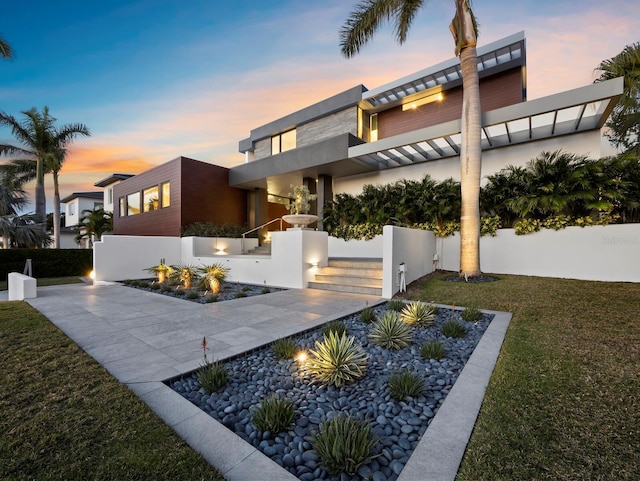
<point x="246" y="288"/>
<point x="453" y="329"/>
<point x="127" y="282"/>
<point x="240" y="294"/>
<point x="337" y="360"/>
<point x="335" y="326"/>
<point x="192" y="295"/>
<point x="404" y="384"/>
<point x="390" y="332"/>
<point x="343" y="444"/>
<point x="266" y="290"/>
<point x="179" y="292"/>
<point x="418" y="314"/>
<point x="165" y="287"/>
<point x="284" y="348"/>
<point x="211" y="298"/>
<point x="144" y="284"/>
<point x="273" y="414"/>
<point x="432" y="350"/>
<point x="472" y="314"/>
<point x="395" y="305"/>
<point x="367" y="315"/>
<point x="212" y="376"/>
<point x="155" y="286"/>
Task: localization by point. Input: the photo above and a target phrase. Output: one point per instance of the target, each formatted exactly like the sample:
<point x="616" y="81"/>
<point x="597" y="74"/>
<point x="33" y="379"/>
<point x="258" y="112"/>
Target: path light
<point x="301" y="357"/>
<point x="92" y="275"/>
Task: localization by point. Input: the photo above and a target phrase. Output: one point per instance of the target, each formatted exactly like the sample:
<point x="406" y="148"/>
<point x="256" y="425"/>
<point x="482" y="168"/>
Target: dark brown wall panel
<point x="496" y="91"/>
<point x="206" y="195"/>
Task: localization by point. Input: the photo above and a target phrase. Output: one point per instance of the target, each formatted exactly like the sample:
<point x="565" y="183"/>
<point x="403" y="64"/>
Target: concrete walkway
<point x="143" y="338"/>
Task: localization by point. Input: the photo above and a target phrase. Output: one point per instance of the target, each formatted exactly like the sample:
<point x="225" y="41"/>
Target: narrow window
<point x="123" y="210"/>
<point x="150" y="199"/>
<point x="166" y="195"/>
<point x="133" y="203"/>
<point x="373" y="131"/>
<point x="360" y="126"/>
<point x="110" y="195"/>
<point x="72" y="208"/>
<point x="283" y="142"/>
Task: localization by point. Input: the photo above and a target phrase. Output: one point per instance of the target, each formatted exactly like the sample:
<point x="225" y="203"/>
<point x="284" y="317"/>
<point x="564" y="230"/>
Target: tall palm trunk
<point x="41" y="208"/>
<point x="56" y="211"/>
<point x="464" y="30"/>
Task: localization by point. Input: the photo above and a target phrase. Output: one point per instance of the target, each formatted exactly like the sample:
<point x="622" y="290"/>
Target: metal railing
<point x="257" y="228"/>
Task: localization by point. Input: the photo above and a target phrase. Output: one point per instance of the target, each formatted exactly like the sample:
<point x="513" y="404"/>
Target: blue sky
<point x="155" y="79"/>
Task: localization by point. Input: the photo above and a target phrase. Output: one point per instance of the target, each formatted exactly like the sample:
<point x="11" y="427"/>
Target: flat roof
<point x="111" y="179"/>
<point x="84" y="195"/>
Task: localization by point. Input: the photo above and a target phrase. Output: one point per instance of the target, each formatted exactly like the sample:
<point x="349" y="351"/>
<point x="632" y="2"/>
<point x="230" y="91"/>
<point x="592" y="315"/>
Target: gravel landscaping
<point x="230" y="290"/>
<point x="398" y="425"/>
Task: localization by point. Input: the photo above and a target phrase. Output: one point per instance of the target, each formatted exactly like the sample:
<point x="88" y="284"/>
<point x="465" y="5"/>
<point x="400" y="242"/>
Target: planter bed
<point x="398" y="425"/>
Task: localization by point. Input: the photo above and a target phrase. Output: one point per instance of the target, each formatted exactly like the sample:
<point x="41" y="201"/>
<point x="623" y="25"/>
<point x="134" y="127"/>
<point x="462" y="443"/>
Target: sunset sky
<point x="156" y="79"/>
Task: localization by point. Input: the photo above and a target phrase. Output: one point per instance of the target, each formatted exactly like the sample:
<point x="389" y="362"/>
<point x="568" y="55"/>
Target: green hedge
<point x="47" y="262"/>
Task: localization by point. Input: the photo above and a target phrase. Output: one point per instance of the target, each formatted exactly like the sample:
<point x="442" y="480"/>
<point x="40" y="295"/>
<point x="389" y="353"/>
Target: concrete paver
<point x="144" y="338"/>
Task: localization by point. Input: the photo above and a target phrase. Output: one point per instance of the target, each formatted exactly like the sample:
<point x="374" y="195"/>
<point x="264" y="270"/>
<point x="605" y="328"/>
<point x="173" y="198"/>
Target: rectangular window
<point x="166" y="195"/>
<point x="360" y="126"/>
<point x="98" y="205"/>
<point x="123" y="211"/>
<point x="72" y="208"/>
<point x="283" y="142"/>
<point x="150" y="199"/>
<point x="110" y="195"/>
<point x="133" y="203"/>
<point x="373" y="124"/>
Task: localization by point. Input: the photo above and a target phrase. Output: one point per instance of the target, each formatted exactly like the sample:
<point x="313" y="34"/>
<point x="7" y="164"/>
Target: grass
<point x="564" y="400"/>
<point x="49" y="281"/>
<point x="64" y="417"/>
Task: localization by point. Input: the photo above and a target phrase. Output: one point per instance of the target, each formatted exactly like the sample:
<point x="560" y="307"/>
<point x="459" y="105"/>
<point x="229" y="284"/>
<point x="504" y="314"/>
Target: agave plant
<point x="214" y="275"/>
<point x="404" y="384"/>
<point x="184" y="273"/>
<point x="418" y="314"/>
<point x="337" y="360"/>
<point x="390" y="332"/>
<point x="162" y="270"/>
<point x="274" y="414"/>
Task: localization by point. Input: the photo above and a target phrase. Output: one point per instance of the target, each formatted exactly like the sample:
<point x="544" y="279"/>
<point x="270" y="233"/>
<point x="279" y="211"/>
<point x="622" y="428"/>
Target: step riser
<point x="350" y="280"/>
<point x="373" y="291"/>
<point x="345" y="271"/>
<point x="355" y="264"/>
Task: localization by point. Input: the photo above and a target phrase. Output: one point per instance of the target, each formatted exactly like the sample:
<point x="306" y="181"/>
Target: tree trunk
<point x="470" y="165"/>
<point x="56" y="211"/>
<point x="41" y="207"/>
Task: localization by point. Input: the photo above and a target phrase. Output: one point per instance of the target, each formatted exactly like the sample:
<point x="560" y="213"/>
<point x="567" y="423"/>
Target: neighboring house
<point x="411" y="127"/>
<point x="72" y="206"/>
<point x="163" y="200"/>
<point x="108" y="183"/>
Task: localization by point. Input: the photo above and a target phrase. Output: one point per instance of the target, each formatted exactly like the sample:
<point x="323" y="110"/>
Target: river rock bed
<point x="398" y="425"/>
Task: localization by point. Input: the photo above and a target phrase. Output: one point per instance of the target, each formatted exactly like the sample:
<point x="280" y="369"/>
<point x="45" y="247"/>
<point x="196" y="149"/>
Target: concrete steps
<point x="361" y="276"/>
<point x="263" y="250"/>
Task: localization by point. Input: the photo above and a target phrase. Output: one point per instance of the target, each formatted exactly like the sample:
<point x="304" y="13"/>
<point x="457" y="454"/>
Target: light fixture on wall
<point x="423" y="101"/>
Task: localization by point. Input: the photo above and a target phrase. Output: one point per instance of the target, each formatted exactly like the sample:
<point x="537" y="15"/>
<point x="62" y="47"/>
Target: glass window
<point x="166" y="195"/>
<point x="150" y="199"/>
<point x="110" y="195"/>
<point x="373" y="126"/>
<point x="98" y="205"/>
<point x="72" y="208"/>
<point x="123" y="211"/>
<point x="133" y="203"/>
<point x="288" y="141"/>
<point x="283" y="142"/>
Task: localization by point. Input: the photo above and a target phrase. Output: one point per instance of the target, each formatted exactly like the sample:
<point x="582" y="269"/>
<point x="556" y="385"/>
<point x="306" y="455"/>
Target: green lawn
<point x="564" y="400"/>
<point x="64" y="417"/>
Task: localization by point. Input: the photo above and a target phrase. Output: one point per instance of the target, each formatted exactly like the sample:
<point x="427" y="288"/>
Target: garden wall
<point x="599" y="253"/>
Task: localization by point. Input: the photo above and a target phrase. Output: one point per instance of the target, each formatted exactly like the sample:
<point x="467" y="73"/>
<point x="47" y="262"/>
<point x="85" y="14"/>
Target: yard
<point x="563" y="402"/>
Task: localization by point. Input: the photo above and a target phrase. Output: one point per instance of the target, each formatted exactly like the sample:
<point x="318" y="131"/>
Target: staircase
<point x="361" y="276"/>
<point x="263" y="250"/>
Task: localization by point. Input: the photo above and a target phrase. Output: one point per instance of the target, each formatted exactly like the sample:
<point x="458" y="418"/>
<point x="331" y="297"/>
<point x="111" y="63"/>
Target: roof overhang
<point x="574" y="111"/>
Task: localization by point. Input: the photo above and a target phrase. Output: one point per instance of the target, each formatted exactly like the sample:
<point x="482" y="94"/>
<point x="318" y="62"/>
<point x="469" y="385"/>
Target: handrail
<point x="257" y="228"/>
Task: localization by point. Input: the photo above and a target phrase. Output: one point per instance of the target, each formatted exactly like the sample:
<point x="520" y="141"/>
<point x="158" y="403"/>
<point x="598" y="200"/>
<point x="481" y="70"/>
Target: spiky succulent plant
<point x="418" y="314"/>
<point x="337" y="360"/>
<point x="390" y="332"/>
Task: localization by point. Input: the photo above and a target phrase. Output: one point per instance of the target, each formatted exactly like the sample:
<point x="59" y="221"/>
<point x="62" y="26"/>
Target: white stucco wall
<point x="600" y="253"/>
<point x="414" y="248"/>
<point x="587" y="143"/>
<point x="371" y="249"/>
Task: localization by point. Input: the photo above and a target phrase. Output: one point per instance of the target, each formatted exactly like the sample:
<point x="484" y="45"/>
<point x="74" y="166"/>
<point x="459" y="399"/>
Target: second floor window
<point x="283" y="142"/>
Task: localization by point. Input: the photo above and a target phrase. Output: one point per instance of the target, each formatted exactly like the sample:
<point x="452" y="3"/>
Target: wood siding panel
<point x="496" y="91"/>
<point x="199" y="192"/>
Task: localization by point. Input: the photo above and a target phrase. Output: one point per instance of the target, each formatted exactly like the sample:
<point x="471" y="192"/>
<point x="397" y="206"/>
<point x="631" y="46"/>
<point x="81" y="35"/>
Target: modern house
<point x="402" y="130"/>
<point x="411" y="127"/>
<point x="72" y="207"/>
<point x="107" y="185"/>
<point x="164" y="199"/>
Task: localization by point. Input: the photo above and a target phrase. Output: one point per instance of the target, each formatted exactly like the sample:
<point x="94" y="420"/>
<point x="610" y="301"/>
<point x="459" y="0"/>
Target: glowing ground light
<point x="301" y="356"/>
<point x="92" y="275"/>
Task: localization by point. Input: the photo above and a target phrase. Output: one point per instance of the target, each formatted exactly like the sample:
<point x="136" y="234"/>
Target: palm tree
<point x="44" y="146"/>
<point x="6" y="51"/>
<point x="625" y="118"/>
<point x="93" y="224"/>
<point x="360" y="28"/>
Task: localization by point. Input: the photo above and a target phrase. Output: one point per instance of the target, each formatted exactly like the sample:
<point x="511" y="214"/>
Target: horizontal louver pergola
<point x="578" y="110"/>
